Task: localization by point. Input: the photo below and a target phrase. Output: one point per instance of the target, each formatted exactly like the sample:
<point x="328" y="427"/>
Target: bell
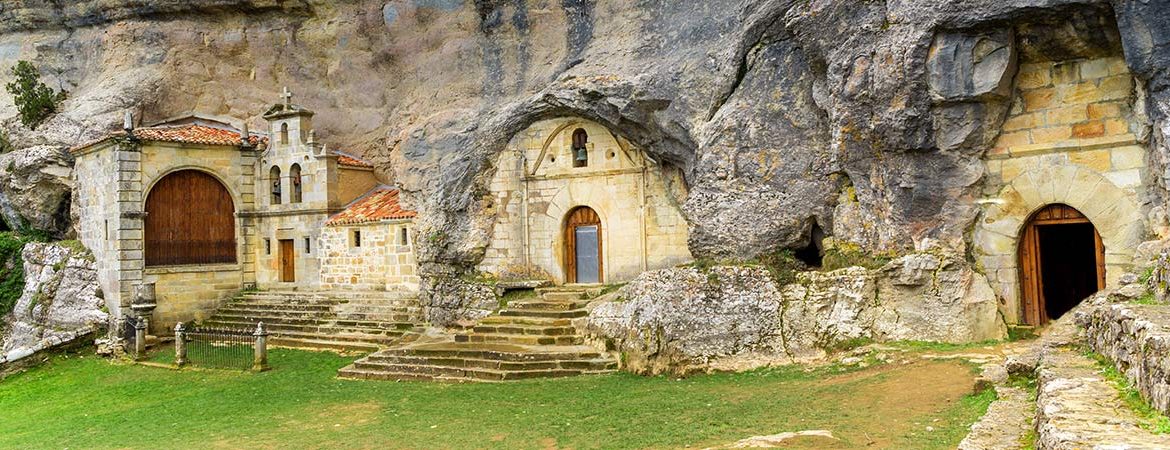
<point x="582" y="154"/>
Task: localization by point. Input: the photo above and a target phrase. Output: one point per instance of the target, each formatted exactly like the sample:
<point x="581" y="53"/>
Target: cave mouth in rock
<point x="813" y="254"/>
<point x="4" y="226"/>
<point x="1062" y="263"/>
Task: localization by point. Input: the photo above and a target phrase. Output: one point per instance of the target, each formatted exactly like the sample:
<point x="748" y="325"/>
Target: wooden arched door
<point x="190" y="219"/>
<point x="1062" y="261"/>
<point x="583" y="246"/>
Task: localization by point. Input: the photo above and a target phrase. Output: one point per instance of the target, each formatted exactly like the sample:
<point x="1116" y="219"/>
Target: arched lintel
<point x="235" y="195"/>
<point x="576" y="122"/>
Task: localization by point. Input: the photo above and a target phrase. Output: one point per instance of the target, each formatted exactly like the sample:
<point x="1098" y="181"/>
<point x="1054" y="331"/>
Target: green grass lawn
<point x="87" y="402"/>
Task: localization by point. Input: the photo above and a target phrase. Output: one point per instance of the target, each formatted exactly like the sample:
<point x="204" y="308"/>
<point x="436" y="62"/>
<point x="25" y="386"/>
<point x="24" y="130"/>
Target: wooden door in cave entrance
<point x="1062" y="261"/>
<point x="583" y="246"/>
<point x="288" y="270"/>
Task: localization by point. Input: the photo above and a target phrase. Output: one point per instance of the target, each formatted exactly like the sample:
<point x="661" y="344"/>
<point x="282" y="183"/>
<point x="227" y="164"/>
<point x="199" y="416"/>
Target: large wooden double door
<point x="1062" y="261"/>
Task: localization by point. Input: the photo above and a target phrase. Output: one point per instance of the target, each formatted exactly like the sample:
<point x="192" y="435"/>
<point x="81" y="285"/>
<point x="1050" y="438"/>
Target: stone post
<point x="180" y="345"/>
<point x="260" y="361"/>
<point x="140" y="326"/>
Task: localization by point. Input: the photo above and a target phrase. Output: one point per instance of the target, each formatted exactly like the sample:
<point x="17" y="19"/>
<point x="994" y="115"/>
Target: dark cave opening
<point x="813" y="254"/>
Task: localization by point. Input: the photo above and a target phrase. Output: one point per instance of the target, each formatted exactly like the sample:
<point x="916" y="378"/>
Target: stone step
<point x="525" y="330"/>
<point x="519" y="339"/>
<point x="313" y="321"/>
<point x="495" y="364"/>
<point x="394" y="330"/>
<point x="546" y="305"/>
<point x="318" y="308"/>
<point x="348" y="338"/>
<point x="510" y="353"/>
<point x="285" y="299"/>
<point x="295" y="317"/>
<point x="521" y="320"/>
<point x="572" y="314"/>
<point x="562" y="295"/>
<point x="322" y="344"/>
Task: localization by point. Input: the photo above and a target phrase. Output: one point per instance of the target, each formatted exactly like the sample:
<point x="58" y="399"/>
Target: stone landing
<point x="527" y="339"/>
<point x="348" y="321"/>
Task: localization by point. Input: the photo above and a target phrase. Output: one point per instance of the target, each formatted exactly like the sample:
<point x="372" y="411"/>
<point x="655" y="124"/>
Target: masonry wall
<point x="1071" y="137"/>
<point x="302" y="228"/>
<point x="95" y="201"/>
<point x="355" y="182"/>
<point x="191" y="292"/>
<point x="536" y="186"/>
<point x="384" y="261"/>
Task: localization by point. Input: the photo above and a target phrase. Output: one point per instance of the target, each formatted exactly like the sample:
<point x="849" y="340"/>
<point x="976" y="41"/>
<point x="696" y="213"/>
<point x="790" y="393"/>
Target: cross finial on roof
<point x="287" y="96"/>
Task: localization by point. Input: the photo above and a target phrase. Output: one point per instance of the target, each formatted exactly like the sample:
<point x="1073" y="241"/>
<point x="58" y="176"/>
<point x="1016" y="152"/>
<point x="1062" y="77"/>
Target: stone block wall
<point x="536" y="186"/>
<point x="1073" y="136"/>
<point x="188" y="293"/>
<point x="270" y="230"/>
<point x="384" y="261"/>
<point x="96" y="207"/>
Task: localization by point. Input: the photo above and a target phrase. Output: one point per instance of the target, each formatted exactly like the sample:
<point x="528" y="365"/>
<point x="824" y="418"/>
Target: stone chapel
<point x="185" y="213"/>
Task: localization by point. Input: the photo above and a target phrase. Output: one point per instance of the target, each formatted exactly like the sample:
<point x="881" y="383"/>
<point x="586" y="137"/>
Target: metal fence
<point x="221" y="348"/>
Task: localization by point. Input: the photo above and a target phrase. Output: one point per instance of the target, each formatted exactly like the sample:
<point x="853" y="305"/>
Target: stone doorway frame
<point x="998" y="230"/>
<point x="1032" y="297"/>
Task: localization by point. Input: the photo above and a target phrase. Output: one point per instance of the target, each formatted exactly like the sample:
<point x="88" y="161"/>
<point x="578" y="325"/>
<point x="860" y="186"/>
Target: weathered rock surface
<point x="684" y="319"/>
<point x="61" y="302"/>
<point x="771" y="107"/>
<point x="36" y="189"/>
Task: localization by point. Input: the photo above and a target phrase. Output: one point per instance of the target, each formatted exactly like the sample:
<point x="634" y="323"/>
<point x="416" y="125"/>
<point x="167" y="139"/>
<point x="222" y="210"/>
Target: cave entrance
<point x="813" y="254"/>
<point x="1062" y="261"/>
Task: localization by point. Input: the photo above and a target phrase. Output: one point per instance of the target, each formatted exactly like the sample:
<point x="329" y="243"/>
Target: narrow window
<point x="308" y="246"/>
<point x="274" y="179"/>
<point x="107" y="228"/>
<point x="580" y="149"/>
<point x="267" y="246"/>
<point x="357" y="238"/>
<point x="403" y="236"/>
<point x="294" y="174"/>
<point x="284" y="133"/>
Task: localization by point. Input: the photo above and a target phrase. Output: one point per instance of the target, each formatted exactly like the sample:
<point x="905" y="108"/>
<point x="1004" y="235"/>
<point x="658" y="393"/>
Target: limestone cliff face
<point x="770" y="107"/>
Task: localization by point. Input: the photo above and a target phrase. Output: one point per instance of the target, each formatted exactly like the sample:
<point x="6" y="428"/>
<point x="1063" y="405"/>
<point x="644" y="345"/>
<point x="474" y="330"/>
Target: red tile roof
<point x="190" y="134"/>
<point x="346" y="159"/>
<point x="379" y="204"/>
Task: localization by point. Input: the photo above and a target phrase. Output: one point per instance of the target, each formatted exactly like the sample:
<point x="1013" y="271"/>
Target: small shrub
<point x="5" y="144"/>
<point x="33" y="99"/>
<point x="842" y="255"/>
<point x="783" y="266"/>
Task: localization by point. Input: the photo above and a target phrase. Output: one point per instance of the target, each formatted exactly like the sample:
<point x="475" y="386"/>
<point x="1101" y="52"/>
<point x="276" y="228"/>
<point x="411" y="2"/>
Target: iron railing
<point x="221" y="348"/>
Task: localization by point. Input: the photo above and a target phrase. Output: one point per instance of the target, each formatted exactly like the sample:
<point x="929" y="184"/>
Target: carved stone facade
<point x="559" y="165"/>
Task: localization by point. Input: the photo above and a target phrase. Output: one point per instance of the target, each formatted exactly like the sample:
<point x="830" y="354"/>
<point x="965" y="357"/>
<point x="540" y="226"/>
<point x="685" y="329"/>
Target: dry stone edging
<point x="1137" y="339"/>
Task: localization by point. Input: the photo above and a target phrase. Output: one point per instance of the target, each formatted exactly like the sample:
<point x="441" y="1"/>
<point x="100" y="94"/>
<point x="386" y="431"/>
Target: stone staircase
<point x="528" y="339"/>
<point x="347" y="321"/>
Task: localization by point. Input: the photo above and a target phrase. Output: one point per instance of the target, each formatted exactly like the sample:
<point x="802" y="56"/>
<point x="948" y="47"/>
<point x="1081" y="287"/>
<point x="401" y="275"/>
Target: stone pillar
<point x="128" y="229"/>
<point x="260" y="361"/>
<point x="180" y="345"/>
<point x="140" y="338"/>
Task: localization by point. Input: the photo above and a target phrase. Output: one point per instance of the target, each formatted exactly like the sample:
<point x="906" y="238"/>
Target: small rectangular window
<point x="308" y="246"/>
<point x="267" y="246"/>
<point x="403" y="236"/>
<point x="357" y="238"/>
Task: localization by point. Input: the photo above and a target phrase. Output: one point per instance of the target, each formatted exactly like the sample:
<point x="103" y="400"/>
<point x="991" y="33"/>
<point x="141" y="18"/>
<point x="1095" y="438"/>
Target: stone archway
<point x="1112" y="210"/>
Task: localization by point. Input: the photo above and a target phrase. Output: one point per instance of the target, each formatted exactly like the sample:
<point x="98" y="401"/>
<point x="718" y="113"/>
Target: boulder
<point x="685" y="319"/>
<point x="36" y="189"/>
<point x="61" y="301"/>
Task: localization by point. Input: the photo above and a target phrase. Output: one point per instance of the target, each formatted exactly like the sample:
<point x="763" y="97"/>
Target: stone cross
<point x="287" y="96"/>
